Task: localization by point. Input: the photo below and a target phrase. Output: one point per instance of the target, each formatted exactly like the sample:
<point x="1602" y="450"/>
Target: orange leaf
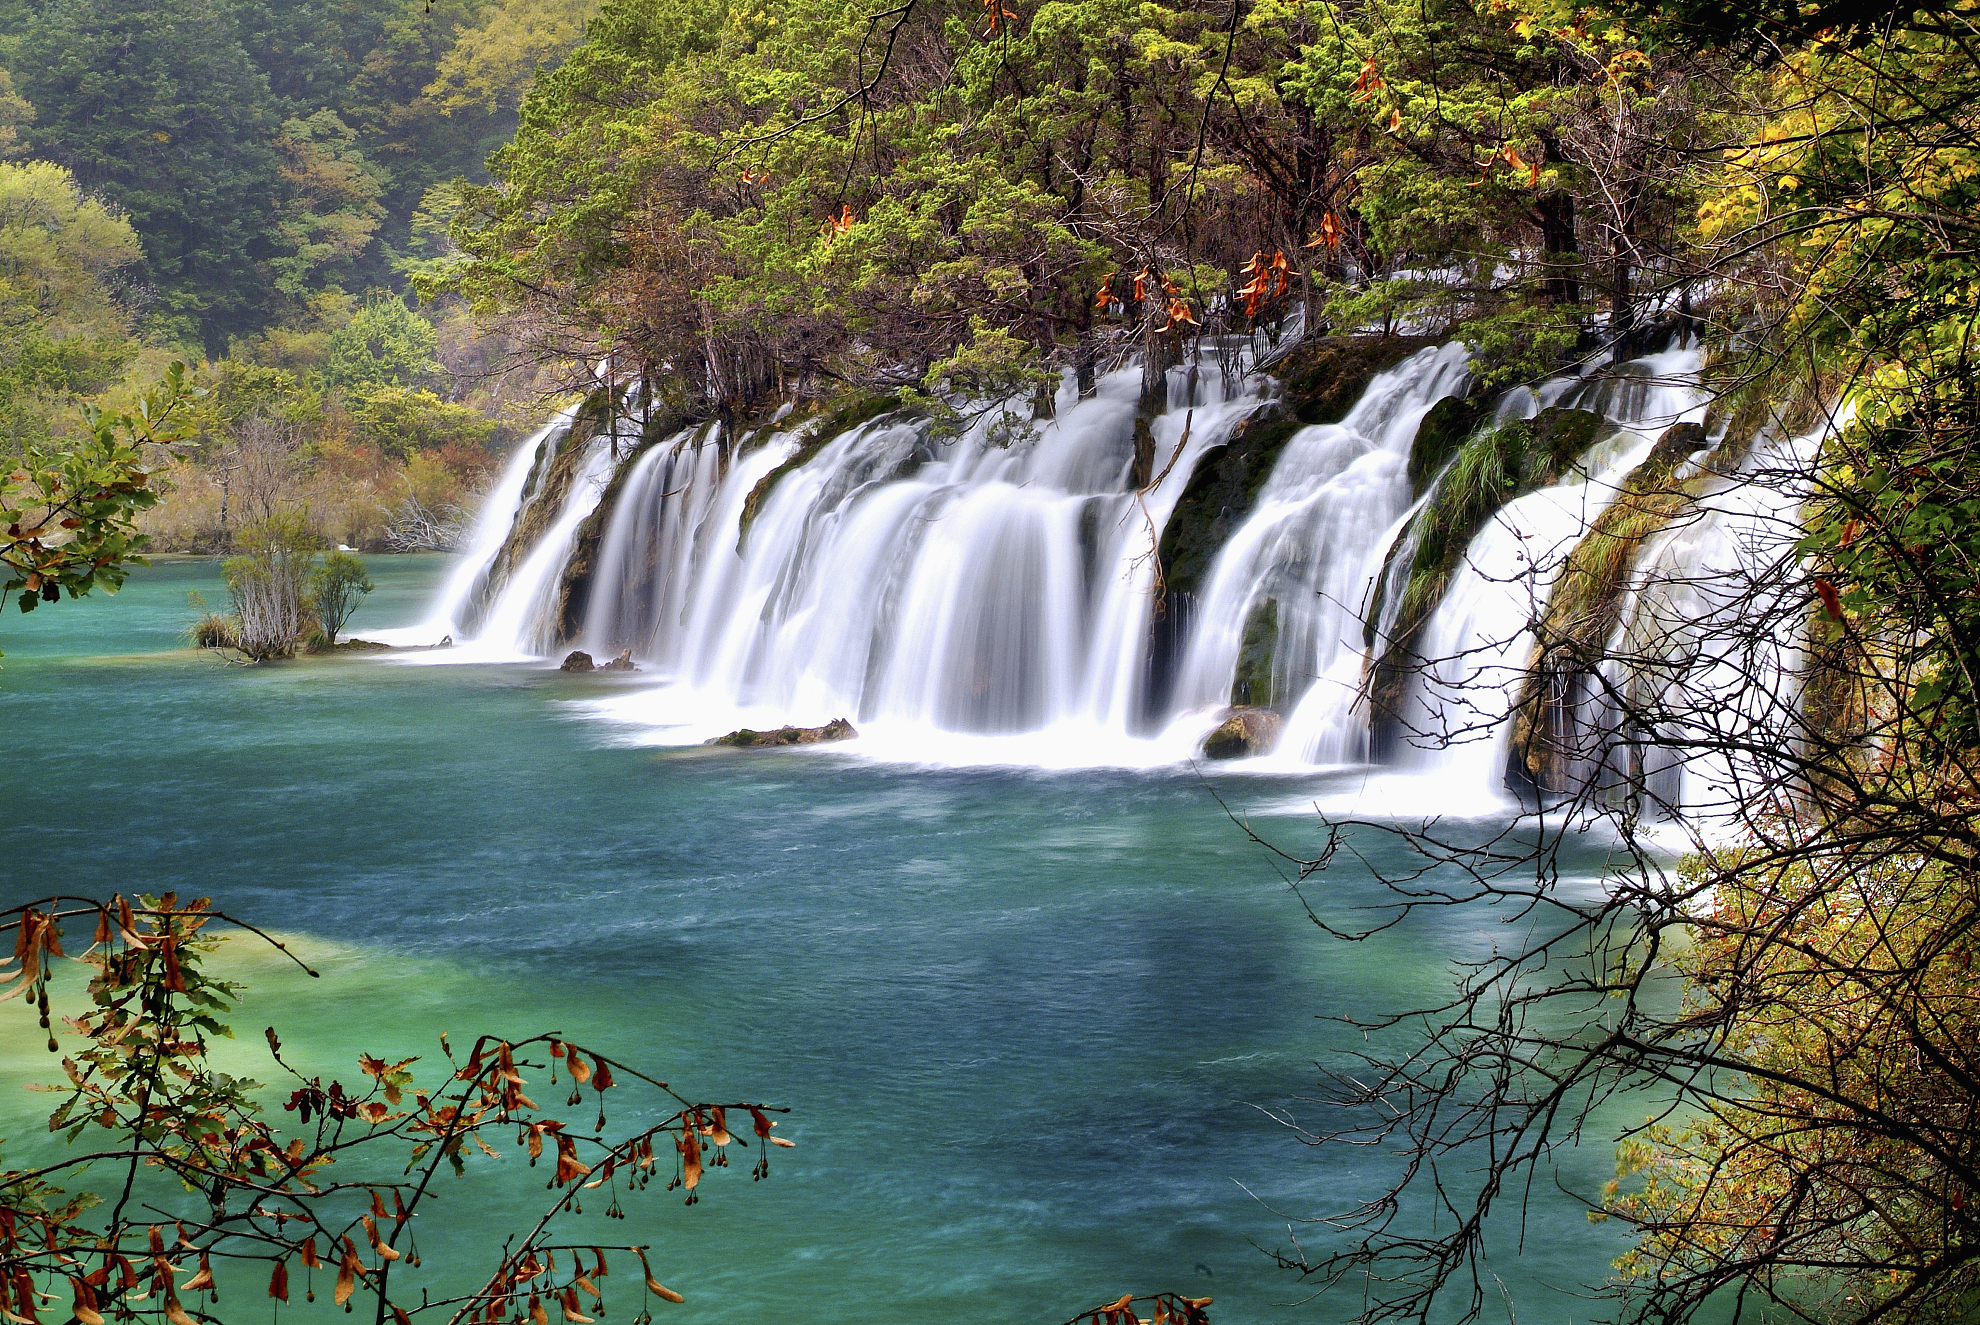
<point x="1831" y="600"/>
<point x="654" y="1286"/>
<point x="690" y="1149"/>
<point x="347" y="1272"/>
<point x="84" y="1309"/>
<point x="278" y="1282"/>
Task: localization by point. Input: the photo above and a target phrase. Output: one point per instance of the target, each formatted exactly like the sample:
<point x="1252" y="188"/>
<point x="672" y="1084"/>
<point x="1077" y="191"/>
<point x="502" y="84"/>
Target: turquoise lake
<point x="1029" y="1024"/>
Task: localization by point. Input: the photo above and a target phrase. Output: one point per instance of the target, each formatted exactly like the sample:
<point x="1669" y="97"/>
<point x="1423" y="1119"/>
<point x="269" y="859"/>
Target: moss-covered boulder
<point x="1320" y="382"/>
<point x="1489" y="469"/>
<point x="1443" y="430"/>
<point x="548" y="484"/>
<point x="843" y="419"/>
<point x="1244" y="734"/>
<point x="581" y="567"/>
<point x="1586" y="607"/>
<point x="1251" y="684"/>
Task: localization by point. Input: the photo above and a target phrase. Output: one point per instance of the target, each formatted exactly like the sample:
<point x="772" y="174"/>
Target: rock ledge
<point x="838" y="729"/>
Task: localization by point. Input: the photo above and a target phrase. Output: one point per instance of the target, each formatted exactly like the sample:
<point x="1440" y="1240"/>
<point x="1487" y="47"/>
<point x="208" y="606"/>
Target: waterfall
<point x="997" y="593"/>
<point x="461" y="597"/>
<point x="990" y="592"/>
<point x="1685" y="653"/>
<point x="1322" y="523"/>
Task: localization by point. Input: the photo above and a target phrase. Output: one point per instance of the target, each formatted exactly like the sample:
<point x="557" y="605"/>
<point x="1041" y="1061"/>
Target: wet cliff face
<point x="1584" y="610"/>
<point x="1320" y="381"/>
<point x="1485" y="470"/>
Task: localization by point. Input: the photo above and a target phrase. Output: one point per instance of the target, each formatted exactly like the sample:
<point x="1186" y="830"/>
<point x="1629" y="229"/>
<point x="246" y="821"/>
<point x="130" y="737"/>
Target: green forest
<point x="249" y="188"/>
<point x="328" y="261"/>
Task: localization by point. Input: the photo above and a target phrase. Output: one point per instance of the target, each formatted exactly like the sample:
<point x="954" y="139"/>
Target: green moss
<point x="1220" y="495"/>
<point x="1489" y="469"/>
<point x="1324" y="378"/>
<point x="844" y="419"/>
<point x="574" y="586"/>
<point x="1321" y="380"/>
<point x="1252" y="683"/>
<point x="1586" y="604"/>
<point x="1443" y="430"/>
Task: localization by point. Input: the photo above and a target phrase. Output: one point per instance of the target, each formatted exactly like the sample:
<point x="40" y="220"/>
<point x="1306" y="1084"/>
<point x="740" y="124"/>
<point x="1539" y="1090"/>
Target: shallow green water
<point x="1024" y="1020"/>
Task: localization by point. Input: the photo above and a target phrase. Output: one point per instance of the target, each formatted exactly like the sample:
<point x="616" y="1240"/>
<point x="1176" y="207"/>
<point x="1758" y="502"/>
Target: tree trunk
<point x="1563" y="253"/>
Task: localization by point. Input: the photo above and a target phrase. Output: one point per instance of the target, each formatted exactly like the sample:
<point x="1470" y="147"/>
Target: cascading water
<point x="1002" y="597"/>
<point x="460" y="595"/>
<point x="1323" y="521"/>
<point x="1687" y="653"/>
<point x="961" y="586"/>
<point x="1477" y="643"/>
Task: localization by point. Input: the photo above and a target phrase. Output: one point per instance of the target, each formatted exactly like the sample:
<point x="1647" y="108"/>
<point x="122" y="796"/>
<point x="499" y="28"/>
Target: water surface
<point x="1027" y="1022"/>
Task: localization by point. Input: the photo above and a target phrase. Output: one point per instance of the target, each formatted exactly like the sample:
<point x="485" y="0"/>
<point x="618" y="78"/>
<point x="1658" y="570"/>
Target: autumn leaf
<point x="84" y="1308"/>
<point x="347" y="1273"/>
<point x="690" y="1149"/>
<point x="278" y="1281"/>
<point x="1831" y="600"/>
<point x="654" y="1286"/>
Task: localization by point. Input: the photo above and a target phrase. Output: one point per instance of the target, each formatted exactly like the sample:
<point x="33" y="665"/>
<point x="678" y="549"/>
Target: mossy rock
<point x="1251" y="684"/>
<point x="1221" y="493"/>
<point x="549" y="484"/>
<point x="1324" y="378"/>
<point x="1245" y="733"/>
<point x="1490" y="469"/>
<point x="1320" y="381"/>
<point x="581" y="567"/>
<point x="745" y="738"/>
<point x="1444" y="429"/>
<point x="1585" y="607"/>
<point x="842" y="420"/>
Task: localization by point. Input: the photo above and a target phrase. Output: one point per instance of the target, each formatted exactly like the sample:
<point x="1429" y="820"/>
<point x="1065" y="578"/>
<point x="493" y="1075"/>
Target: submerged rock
<point x="577" y="661"/>
<point x="1244" y="733"/>
<point x="622" y="663"/>
<point x="838" y="729"/>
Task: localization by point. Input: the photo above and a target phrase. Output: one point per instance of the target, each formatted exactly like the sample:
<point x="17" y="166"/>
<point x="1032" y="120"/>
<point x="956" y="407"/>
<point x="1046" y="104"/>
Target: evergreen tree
<point x="154" y="105"/>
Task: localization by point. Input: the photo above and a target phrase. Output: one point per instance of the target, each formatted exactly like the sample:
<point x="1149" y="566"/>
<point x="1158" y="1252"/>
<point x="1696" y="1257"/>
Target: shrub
<point x="212" y="631"/>
<point x="269" y="583"/>
<point x="336" y="589"/>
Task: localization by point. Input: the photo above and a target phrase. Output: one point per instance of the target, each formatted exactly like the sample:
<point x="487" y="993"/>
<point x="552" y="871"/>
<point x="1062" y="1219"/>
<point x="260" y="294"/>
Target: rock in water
<point x="1244" y="732"/>
<point x="838" y="729"/>
<point x="622" y="663"/>
<point x="578" y="661"/>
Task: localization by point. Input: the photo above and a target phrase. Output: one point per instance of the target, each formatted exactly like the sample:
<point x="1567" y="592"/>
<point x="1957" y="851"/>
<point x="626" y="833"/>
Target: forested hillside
<point x="251" y="186"/>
